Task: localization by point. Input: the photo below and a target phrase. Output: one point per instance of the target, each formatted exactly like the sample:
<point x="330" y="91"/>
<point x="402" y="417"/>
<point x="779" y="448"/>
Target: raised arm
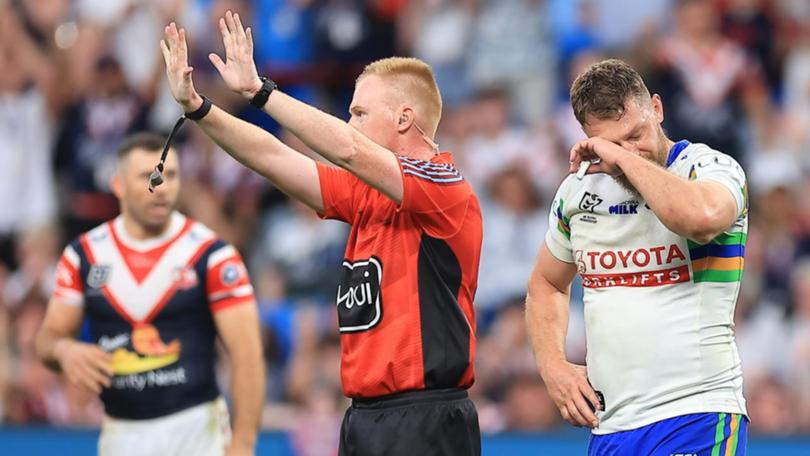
<point x="293" y="173"/>
<point x="547" y="304"/>
<point x="327" y="135"/>
<point x="699" y="210"/>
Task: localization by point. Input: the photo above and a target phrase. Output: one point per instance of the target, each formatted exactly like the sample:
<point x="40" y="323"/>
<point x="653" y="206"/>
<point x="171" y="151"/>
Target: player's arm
<point x="327" y="135"/>
<point x="85" y="365"/>
<point x="547" y="304"/>
<point x="293" y="173"/>
<point x="698" y="210"/>
<point x="238" y="327"/>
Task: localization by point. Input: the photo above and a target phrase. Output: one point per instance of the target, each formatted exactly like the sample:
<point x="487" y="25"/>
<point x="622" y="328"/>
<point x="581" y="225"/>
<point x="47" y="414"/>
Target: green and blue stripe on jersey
<point x="721" y="260"/>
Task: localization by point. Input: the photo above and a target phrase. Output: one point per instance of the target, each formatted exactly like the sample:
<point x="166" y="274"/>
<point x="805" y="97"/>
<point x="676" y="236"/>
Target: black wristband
<point x="260" y="99"/>
<point x="200" y="112"/>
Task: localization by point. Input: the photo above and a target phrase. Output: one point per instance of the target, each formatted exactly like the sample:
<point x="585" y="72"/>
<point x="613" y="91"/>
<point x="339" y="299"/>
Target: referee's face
<point x="149" y="210"/>
<point x="372" y="111"/>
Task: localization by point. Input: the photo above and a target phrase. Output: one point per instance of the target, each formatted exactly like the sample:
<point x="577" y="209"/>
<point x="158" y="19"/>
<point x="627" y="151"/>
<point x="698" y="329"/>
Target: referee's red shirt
<point x="405" y="299"/>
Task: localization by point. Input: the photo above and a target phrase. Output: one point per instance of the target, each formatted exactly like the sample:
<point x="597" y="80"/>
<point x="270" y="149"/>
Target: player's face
<point x="373" y="112"/>
<point x="150" y="210"/>
<point x="638" y="130"/>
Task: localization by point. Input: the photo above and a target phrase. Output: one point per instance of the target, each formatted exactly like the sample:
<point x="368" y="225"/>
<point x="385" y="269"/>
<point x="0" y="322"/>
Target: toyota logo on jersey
<point x="359" y="301"/>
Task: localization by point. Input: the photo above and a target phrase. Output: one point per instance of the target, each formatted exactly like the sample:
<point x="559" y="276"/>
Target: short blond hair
<point x="414" y="78"/>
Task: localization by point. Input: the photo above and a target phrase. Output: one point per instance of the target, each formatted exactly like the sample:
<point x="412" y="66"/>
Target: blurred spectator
<point x="528" y="406"/>
<point x="25" y="158"/>
<point x="749" y="23"/>
<point x="768" y="400"/>
<point x="438" y="32"/>
<point x="93" y="127"/>
<point x="619" y="26"/>
<point x="515" y="220"/>
<point x="495" y="143"/>
<point x="798" y="344"/>
<point x="218" y="191"/>
<point x="512" y="47"/>
<point x="294" y="240"/>
<point x="713" y="90"/>
<point x="348" y="35"/>
<point x="797" y="93"/>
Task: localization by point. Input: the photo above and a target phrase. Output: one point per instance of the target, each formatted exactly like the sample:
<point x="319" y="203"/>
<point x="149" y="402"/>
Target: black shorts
<point x="424" y="423"/>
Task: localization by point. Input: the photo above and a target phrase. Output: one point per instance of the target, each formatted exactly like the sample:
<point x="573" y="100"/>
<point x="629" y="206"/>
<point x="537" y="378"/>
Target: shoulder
<point x="201" y="236"/>
<point x="439" y="172"/>
<point x="697" y="159"/>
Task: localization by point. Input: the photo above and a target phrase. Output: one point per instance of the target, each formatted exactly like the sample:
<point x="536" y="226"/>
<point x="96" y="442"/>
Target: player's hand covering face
<point x="637" y="131"/>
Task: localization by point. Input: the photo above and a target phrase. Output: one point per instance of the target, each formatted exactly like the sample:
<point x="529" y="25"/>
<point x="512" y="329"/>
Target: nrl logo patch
<point x="589" y="201"/>
<point x="98" y="275"/>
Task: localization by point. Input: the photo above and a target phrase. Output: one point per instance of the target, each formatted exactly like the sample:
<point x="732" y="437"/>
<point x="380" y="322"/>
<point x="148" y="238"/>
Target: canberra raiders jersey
<point x="151" y="304"/>
<point x="658" y="307"/>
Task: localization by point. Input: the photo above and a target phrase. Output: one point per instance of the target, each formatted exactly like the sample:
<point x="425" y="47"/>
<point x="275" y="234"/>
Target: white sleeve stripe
<point x="431" y="171"/>
<point x="225" y="253"/>
<point x="71" y="256"/>
<point x="434" y="179"/>
<point x="244" y="290"/>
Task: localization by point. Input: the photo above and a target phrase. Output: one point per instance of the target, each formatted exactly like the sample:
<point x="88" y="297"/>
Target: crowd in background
<point x="76" y="76"/>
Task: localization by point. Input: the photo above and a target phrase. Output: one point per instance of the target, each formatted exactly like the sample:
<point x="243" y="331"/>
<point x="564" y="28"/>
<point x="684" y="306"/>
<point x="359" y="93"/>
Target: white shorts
<point x="202" y="430"/>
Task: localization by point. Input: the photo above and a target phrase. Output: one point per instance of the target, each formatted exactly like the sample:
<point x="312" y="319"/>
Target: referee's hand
<point x="85" y="365"/>
<point x="568" y="386"/>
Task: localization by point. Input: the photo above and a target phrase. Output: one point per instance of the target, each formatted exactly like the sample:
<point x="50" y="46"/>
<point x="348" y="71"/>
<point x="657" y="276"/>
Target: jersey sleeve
<point x="558" y="236"/>
<point x="69" y="288"/>
<point x="436" y="194"/>
<point x="721" y="168"/>
<point x="338" y="191"/>
<point x="227" y="280"/>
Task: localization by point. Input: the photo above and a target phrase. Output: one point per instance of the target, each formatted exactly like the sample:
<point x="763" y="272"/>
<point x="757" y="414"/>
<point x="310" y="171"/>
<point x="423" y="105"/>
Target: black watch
<point x="260" y="99"/>
<point x="200" y="112"/>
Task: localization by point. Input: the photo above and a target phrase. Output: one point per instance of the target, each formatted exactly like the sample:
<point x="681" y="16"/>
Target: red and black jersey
<point x="405" y="300"/>
<point x="151" y="305"/>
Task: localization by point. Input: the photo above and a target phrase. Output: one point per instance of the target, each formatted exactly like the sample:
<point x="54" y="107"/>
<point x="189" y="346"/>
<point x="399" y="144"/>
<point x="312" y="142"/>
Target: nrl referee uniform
<point x="405" y="310"/>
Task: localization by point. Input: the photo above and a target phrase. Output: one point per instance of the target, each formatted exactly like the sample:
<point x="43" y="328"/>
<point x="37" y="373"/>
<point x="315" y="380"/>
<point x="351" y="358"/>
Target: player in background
<point x="157" y="289"/>
<point x="411" y="264"/>
<point x="656" y="229"/>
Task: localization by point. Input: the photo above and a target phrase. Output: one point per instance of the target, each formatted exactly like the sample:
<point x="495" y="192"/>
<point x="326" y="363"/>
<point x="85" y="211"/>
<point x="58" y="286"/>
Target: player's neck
<point x="140" y="232"/>
<point x="418" y="147"/>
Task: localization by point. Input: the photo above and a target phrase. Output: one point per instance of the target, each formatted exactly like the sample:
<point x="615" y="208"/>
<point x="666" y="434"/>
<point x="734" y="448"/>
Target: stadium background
<point x="78" y="75"/>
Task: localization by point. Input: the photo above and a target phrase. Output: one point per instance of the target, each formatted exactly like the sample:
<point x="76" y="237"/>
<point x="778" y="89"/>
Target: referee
<point x="410" y="272"/>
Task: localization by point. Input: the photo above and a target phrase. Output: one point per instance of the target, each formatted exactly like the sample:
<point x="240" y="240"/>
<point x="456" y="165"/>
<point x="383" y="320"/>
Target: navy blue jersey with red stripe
<point x="151" y="305"/>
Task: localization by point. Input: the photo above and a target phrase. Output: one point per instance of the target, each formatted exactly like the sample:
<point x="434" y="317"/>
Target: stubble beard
<point x="660" y="159"/>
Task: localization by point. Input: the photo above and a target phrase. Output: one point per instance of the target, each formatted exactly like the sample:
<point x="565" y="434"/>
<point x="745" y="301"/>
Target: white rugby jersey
<point x="659" y="308"/>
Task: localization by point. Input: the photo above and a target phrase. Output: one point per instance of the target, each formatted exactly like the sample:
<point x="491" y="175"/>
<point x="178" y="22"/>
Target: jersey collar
<point x="676" y="150"/>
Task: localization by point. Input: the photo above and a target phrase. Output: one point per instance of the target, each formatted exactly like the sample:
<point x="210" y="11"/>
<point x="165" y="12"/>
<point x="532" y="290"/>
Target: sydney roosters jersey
<point x="405" y="299"/>
<point x="151" y="305"/>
